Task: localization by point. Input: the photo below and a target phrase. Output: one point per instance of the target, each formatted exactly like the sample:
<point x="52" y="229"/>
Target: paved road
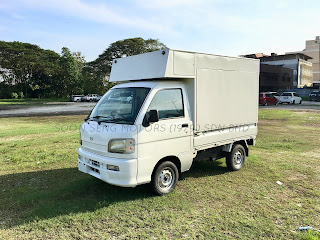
<point x="71" y="108"/>
<point x="48" y="109"/>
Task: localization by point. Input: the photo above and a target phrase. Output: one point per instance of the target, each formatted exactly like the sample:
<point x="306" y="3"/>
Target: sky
<point x="225" y="27"/>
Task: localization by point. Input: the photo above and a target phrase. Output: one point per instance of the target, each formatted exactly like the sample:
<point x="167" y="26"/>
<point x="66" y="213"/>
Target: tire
<point x="165" y="178"/>
<point x="300" y="102"/>
<point x="236" y="158"/>
<point x="265" y="103"/>
<point x="293" y="102"/>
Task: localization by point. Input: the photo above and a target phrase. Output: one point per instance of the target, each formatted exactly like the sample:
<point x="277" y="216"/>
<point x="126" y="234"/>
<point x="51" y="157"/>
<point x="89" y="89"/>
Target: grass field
<point x="43" y="195"/>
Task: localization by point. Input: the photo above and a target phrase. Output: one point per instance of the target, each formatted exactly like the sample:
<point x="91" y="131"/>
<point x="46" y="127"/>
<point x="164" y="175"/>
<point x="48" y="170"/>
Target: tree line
<point x="28" y="71"/>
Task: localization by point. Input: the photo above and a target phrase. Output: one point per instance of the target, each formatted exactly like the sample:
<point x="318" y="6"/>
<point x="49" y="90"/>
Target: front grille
<point x="94" y="163"/>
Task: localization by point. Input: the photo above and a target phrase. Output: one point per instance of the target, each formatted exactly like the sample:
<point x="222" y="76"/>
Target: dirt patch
<point x="270" y="122"/>
<point x="297" y="177"/>
<point x="302" y="111"/>
<point x="312" y="154"/>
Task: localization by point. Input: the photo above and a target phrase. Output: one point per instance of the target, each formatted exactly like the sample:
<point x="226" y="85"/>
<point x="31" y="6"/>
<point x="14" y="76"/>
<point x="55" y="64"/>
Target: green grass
<point x="43" y="195"/>
<point x="31" y="101"/>
<point x="305" y="98"/>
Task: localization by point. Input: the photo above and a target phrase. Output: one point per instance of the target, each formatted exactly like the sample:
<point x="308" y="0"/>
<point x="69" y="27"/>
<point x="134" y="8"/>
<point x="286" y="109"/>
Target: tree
<point x="100" y="68"/>
<point x="36" y="72"/>
<point x="72" y="64"/>
<point x="27" y="67"/>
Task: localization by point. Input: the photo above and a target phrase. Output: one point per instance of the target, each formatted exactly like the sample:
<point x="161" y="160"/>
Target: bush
<point x="14" y="95"/>
<point x="21" y="95"/>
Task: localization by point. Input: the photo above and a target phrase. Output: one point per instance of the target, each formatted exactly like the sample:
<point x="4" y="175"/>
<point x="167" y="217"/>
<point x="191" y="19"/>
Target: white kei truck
<point x="169" y="108"/>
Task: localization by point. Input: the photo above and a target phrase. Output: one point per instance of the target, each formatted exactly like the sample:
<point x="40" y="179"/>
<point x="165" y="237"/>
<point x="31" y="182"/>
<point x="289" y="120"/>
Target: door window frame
<point x="182" y="98"/>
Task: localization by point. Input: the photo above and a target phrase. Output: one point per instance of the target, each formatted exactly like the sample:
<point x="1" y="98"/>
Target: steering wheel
<point x="115" y="113"/>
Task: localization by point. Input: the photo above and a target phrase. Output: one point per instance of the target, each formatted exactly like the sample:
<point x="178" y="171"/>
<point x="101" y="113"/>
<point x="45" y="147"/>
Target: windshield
<point x="286" y="94"/>
<point x="120" y="105"/>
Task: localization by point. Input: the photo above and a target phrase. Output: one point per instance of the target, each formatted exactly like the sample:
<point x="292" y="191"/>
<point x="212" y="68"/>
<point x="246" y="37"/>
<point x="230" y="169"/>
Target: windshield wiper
<point x="95" y="117"/>
<point x="112" y="120"/>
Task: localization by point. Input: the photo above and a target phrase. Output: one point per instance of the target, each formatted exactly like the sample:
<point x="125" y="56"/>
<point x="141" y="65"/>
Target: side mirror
<point x="153" y="116"/>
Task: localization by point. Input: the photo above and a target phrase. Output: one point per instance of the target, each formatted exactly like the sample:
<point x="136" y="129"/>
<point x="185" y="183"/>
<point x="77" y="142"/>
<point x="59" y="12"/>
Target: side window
<point x="168" y="102"/>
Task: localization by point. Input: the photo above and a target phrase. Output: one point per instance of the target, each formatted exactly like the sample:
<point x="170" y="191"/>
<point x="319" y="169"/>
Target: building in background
<point x="273" y="78"/>
<point x="313" y="50"/>
<point x="298" y="62"/>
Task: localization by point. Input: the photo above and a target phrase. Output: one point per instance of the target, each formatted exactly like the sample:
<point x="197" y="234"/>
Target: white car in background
<point x="91" y="98"/>
<point x="290" y="98"/>
<point x="76" y="98"/>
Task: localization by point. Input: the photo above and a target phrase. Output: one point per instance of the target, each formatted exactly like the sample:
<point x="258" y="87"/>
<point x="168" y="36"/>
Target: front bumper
<point x="96" y="166"/>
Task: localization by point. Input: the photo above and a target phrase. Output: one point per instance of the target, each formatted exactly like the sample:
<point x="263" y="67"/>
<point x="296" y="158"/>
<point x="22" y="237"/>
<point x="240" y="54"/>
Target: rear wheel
<point x="165" y="178"/>
<point x="235" y="159"/>
<point x="293" y="102"/>
<point x="300" y="102"/>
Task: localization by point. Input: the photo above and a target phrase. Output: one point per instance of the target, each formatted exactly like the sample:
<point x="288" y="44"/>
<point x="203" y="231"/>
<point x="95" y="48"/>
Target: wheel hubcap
<point x="238" y="158"/>
<point x="166" y="178"/>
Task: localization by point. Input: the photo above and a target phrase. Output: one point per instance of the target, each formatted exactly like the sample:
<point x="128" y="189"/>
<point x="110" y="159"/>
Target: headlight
<point x="121" y="145"/>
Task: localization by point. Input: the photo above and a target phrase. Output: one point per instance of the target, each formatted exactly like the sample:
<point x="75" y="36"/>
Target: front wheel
<point x="165" y="178"/>
<point x="235" y="159"/>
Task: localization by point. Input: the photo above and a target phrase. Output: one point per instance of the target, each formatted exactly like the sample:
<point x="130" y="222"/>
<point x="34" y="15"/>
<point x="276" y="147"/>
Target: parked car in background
<point x="98" y="98"/>
<point x="92" y="98"/>
<point x="276" y="95"/>
<point x="314" y="96"/>
<point x="76" y="98"/>
<point x="290" y="98"/>
<point x="266" y="99"/>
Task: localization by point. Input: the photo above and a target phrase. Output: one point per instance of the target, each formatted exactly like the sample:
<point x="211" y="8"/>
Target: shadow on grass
<point x="206" y="168"/>
<point x="40" y="195"/>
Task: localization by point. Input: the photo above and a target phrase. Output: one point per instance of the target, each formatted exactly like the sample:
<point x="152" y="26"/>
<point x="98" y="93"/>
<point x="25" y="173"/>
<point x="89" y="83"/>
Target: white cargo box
<point x="223" y="91"/>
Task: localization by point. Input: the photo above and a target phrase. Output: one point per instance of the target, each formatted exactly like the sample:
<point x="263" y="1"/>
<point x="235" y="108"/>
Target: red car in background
<point x="266" y="99"/>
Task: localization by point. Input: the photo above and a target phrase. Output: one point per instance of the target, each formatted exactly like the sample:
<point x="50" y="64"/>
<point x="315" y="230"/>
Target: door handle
<point x="185" y="125"/>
